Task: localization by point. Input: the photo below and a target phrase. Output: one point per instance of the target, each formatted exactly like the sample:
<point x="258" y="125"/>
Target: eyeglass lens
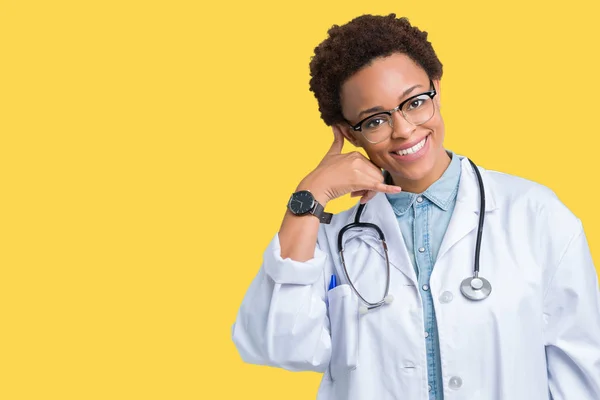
<point x="417" y="111"/>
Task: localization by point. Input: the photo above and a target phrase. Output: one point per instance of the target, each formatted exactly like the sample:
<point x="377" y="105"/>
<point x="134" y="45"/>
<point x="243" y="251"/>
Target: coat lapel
<point x="465" y="217"/>
<point x="463" y="221"/>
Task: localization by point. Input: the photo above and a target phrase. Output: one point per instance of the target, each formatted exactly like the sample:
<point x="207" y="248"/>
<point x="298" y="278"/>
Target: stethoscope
<point x="473" y="288"/>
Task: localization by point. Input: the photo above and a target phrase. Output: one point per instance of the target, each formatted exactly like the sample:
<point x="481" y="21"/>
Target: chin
<point x="416" y="173"/>
<point x="415" y="170"/>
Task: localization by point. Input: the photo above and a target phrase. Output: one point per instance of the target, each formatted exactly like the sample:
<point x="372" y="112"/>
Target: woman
<point x="527" y="328"/>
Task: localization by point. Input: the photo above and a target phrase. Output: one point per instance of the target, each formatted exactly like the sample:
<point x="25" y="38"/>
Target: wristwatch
<point x="303" y="202"/>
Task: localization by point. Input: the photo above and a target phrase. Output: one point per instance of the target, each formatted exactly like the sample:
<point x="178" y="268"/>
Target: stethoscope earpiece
<point x="363" y="309"/>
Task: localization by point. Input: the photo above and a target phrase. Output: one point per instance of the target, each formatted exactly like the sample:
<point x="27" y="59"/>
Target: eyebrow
<point x="380" y="108"/>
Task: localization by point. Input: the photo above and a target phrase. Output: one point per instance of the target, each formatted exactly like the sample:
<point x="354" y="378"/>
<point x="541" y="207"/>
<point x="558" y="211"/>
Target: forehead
<point x="381" y="84"/>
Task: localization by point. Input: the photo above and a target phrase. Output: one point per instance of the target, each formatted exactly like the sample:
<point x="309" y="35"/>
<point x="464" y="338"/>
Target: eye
<point x="374" y="123"/>
<point x="416" y="103"/>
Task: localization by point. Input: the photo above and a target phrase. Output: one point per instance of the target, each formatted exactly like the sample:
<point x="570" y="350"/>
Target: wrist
<point x="316" y="191"/>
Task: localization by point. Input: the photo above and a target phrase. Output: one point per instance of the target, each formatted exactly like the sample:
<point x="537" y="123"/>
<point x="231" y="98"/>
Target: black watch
<point x="303" y="202"/>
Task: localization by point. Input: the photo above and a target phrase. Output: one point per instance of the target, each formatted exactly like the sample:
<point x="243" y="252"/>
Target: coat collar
<point x="464" y="218"/>
<point x="468" y="188"/>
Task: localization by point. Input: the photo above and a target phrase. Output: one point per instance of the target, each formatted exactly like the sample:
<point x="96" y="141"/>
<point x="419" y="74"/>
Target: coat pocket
<point x="344" y="319"/>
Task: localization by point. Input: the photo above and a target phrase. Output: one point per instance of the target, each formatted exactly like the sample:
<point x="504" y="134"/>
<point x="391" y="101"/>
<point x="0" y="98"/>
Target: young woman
<point x="413" y="317"/>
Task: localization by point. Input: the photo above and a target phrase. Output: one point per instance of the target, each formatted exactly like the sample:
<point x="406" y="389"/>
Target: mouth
<point x="407" y="151"/>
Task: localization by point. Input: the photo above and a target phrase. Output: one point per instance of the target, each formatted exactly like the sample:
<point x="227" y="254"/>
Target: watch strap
<point x="319" y="212"/>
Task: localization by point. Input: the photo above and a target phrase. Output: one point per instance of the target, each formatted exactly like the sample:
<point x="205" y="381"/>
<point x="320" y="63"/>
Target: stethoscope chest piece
<point x="475" y="288"/>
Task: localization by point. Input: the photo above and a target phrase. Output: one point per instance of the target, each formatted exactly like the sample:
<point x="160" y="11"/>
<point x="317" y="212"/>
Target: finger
<point x="338" y="141"/>
<point x="368" y="183"/>
<point x="358" y="193"/>
<point x="366" y="166"/>
<point x="375" y="173"/>
<point x="369" y="172"/>
<point x="368" y="196"/>
<point x="382" y="187"/>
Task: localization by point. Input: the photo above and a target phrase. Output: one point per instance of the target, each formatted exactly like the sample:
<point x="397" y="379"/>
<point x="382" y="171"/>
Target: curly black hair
<point x="355" y="45"/>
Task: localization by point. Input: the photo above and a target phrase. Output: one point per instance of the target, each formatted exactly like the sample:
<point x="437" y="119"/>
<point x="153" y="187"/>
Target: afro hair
<point x="352" y="46"/>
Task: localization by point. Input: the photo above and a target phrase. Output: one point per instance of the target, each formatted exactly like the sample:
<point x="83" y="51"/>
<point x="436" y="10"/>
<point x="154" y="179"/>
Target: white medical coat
<point x="537" y="336"/>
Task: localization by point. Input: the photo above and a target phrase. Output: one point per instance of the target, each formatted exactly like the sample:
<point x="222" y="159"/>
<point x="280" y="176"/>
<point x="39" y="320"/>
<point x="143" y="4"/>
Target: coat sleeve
<point x="282" y="320"/>
<point x="572" y="325"/>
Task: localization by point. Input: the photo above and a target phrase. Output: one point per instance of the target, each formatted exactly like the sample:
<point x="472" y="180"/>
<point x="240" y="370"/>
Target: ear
<point x="349" y="133"/>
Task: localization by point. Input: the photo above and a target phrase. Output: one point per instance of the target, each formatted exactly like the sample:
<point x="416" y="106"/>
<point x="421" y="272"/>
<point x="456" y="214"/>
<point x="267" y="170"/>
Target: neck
<point x="420" y="185"/>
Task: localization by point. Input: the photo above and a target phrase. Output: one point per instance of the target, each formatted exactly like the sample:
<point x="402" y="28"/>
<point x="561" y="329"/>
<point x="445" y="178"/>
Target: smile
<point x="413" y="149"/>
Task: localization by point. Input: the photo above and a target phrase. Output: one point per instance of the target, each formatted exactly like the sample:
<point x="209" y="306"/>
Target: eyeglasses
<point x="417" y="110"/>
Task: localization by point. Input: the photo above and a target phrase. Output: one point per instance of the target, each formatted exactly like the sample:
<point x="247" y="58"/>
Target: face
<point x="382" y="86"/>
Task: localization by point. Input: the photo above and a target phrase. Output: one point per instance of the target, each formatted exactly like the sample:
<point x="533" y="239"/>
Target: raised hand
<point x="340" y="173"/>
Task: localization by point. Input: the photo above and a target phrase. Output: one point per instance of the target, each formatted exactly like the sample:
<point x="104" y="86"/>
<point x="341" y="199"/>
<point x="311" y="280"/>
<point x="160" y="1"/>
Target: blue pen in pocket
<point x="332" y="282"/>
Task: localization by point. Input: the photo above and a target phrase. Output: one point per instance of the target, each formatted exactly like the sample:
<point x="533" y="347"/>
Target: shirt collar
<point x="441" y="192"/>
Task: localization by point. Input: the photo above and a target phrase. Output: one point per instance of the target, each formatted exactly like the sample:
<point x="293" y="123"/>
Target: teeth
<point x="413" y="149"/>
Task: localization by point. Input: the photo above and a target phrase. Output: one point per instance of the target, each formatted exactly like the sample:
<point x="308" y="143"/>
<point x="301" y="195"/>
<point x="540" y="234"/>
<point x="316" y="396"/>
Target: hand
<point x="338" y="174"/>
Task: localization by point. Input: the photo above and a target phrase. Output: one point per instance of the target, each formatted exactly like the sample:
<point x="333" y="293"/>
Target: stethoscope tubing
<point x="470" y="287"/>
<point x="358" y="224"/>
<point x="481" y="219"/>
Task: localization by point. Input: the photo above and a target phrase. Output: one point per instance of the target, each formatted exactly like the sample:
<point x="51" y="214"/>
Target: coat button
<point x="446" y="297"/>
<point x="455" y="382"/>
<point x="426" y="334"/>
<point x="421" y="249"/>
<point x="419" y="199"/>
<point x="425" y="287"/>
<point x="429" y="387"/>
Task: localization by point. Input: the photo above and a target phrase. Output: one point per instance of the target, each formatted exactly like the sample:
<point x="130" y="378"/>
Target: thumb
<point x="338" y="141"/>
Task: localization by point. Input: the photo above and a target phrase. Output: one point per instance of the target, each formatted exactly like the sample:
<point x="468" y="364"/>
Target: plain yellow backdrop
<point x="148" y="149"/>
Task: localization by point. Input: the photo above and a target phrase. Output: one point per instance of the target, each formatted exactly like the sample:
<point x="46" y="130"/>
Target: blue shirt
<point x="423" y="219"/>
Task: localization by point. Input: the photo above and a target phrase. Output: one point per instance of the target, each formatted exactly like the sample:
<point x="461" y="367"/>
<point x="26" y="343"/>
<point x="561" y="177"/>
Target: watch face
<point x="301" y="202"/>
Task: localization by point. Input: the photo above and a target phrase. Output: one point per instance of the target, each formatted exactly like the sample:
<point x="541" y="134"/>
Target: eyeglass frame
<point x="431" y="93"/>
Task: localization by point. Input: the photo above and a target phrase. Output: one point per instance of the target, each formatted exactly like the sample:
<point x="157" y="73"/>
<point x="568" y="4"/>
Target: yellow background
<point x="148" y="149"/>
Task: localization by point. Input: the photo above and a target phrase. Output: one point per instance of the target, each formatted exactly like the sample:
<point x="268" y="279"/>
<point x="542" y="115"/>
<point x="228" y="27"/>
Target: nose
<point x="401" y="128"/>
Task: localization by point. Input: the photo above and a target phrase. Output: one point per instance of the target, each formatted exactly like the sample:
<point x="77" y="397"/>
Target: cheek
<point x="437" y="127"/>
